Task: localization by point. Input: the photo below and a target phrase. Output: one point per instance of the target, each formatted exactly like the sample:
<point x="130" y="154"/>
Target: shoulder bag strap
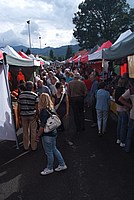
<point x="49" y="112"/>
<point x="57" y="106"/>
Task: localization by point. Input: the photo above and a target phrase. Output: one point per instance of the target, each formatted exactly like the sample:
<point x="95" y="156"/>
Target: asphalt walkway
<point x="98" y="169"/>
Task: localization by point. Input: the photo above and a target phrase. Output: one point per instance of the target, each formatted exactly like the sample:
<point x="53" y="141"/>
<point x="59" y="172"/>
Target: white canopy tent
<point x="121" y="49"/>
<point x="16" y="61"/>
<point x="122" y="36"/>
<point x="104" y="52"/>
<point x="98" y="55"/>
<point x="95" y="56"/>
<point x="13" y="58"/>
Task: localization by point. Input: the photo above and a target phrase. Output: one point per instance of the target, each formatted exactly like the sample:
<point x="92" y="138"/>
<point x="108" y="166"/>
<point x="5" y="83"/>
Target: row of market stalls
<point x="120" y="54"/>
<point x="9" y="58"/>
<point x="20" y="58"/>
<point x="123" y="47"/>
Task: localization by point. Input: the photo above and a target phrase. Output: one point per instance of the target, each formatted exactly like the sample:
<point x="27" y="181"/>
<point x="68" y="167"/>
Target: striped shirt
<point x="27" y="101"/>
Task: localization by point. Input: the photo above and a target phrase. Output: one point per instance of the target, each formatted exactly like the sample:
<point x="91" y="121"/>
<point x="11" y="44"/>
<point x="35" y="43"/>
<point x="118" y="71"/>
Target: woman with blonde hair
<point x="49" y="139"/>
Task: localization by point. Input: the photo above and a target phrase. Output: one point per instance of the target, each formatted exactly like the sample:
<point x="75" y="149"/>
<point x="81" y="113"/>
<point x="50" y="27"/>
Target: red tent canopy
<point x="1" y="55"/>
<point x="98" y="55"/>
<point x="77" y="56"/>
<point x="72" y="58"/>
<point x="77" y="59"/>
<point x="81" y="52"/>
<point x="84" y="58"/>
<point x="105" y="45"/>
<point x="23" y="55"/>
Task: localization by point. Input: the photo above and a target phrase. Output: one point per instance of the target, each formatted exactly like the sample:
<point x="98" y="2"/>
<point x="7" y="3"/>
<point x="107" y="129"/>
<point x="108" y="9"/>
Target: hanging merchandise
<point x="117" y="69"/>
<point x="131" y="66"/>
<point x="123" y="69"/>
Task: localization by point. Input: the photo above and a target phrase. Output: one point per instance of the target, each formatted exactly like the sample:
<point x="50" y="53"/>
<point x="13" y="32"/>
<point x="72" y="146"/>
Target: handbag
<point x="53" y="122"/>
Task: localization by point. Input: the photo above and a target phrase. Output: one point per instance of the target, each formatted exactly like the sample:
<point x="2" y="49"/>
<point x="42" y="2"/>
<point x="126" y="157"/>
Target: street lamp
<point x="28" y="22"/>
<point x="40" y="41"/>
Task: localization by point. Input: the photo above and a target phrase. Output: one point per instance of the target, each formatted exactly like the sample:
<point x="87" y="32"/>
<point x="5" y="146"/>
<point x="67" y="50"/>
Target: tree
<point x="28" y="52"/>
<point x="51" y="54"/>
<point x="43" y="57"/>
<point x="61" y="58"/>
<point x="101" y="20"/>
<point x="68" y="52"/>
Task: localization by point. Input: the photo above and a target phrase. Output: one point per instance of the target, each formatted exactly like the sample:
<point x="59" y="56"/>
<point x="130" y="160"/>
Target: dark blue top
<point x="44" y="115"/>
<point x="94" y="88"/>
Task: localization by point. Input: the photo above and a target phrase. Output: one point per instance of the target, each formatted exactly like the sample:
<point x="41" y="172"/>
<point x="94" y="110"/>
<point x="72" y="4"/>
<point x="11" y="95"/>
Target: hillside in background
<point x="60" y="51"/>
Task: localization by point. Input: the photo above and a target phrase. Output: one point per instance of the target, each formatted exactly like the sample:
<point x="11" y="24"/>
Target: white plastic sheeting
<point x="7" y="129"/>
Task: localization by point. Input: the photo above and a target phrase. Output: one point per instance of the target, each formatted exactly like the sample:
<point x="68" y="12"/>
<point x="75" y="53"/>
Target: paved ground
<point x="98" y="169"/>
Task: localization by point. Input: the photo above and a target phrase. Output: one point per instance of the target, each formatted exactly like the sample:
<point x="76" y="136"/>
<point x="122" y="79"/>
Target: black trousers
<point x="77" y="104"/>
<point x="93" y="110"/>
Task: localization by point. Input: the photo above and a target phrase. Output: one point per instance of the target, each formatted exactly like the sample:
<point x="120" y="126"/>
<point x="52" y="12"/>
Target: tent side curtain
<point x="121" y="49"/>
<point x="7" y="129"/>
<point x="12" y="60"/>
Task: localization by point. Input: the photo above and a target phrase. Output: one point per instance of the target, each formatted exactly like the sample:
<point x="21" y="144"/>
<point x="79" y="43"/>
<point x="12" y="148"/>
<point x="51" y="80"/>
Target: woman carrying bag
<point x="49" y="139"/>
<point x="61" y="105"/>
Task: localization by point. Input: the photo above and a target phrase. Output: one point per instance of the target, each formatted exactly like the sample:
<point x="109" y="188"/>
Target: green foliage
<point x="68" y="52"/>
<point x="51" y="54"/>
<point x="61" y="58"/>
<point x="132" y="18"/>
<point x="54" y="58"/>
<point x="101" y="20"/>
<point x="28" y="52"/>
<point x="43" y="57"/>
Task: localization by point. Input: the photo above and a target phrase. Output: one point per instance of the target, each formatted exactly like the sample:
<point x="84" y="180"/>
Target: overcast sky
<point x="49" y="19"/>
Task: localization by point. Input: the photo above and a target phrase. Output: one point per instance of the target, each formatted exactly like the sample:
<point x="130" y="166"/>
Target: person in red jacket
<point x="20" y="76"/>
<point x="10" y="79"/>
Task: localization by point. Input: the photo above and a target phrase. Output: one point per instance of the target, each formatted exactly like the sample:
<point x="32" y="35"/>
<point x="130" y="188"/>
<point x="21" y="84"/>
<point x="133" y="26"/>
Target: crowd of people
<point x="61" y="90"/>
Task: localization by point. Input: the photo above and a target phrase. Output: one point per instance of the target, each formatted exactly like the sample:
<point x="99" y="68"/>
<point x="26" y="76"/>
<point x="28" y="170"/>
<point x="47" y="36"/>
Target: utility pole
<point x="28" y="22"/>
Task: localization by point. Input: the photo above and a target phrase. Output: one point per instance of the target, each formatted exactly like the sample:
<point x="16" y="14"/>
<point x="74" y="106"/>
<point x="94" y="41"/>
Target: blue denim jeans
<point x="129" y="134"/>
<point x="49" y="145"/>
<point x="122" y="126"/>
<point x="102" y="117"/>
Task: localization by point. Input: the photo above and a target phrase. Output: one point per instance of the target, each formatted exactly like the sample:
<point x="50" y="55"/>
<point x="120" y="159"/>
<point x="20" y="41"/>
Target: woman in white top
<point x="102" y="108"/>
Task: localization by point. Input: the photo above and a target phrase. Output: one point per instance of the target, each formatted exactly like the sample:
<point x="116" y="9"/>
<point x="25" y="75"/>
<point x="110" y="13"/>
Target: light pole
<point x="28" y="22"/>
<point x="40" y="41"/>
